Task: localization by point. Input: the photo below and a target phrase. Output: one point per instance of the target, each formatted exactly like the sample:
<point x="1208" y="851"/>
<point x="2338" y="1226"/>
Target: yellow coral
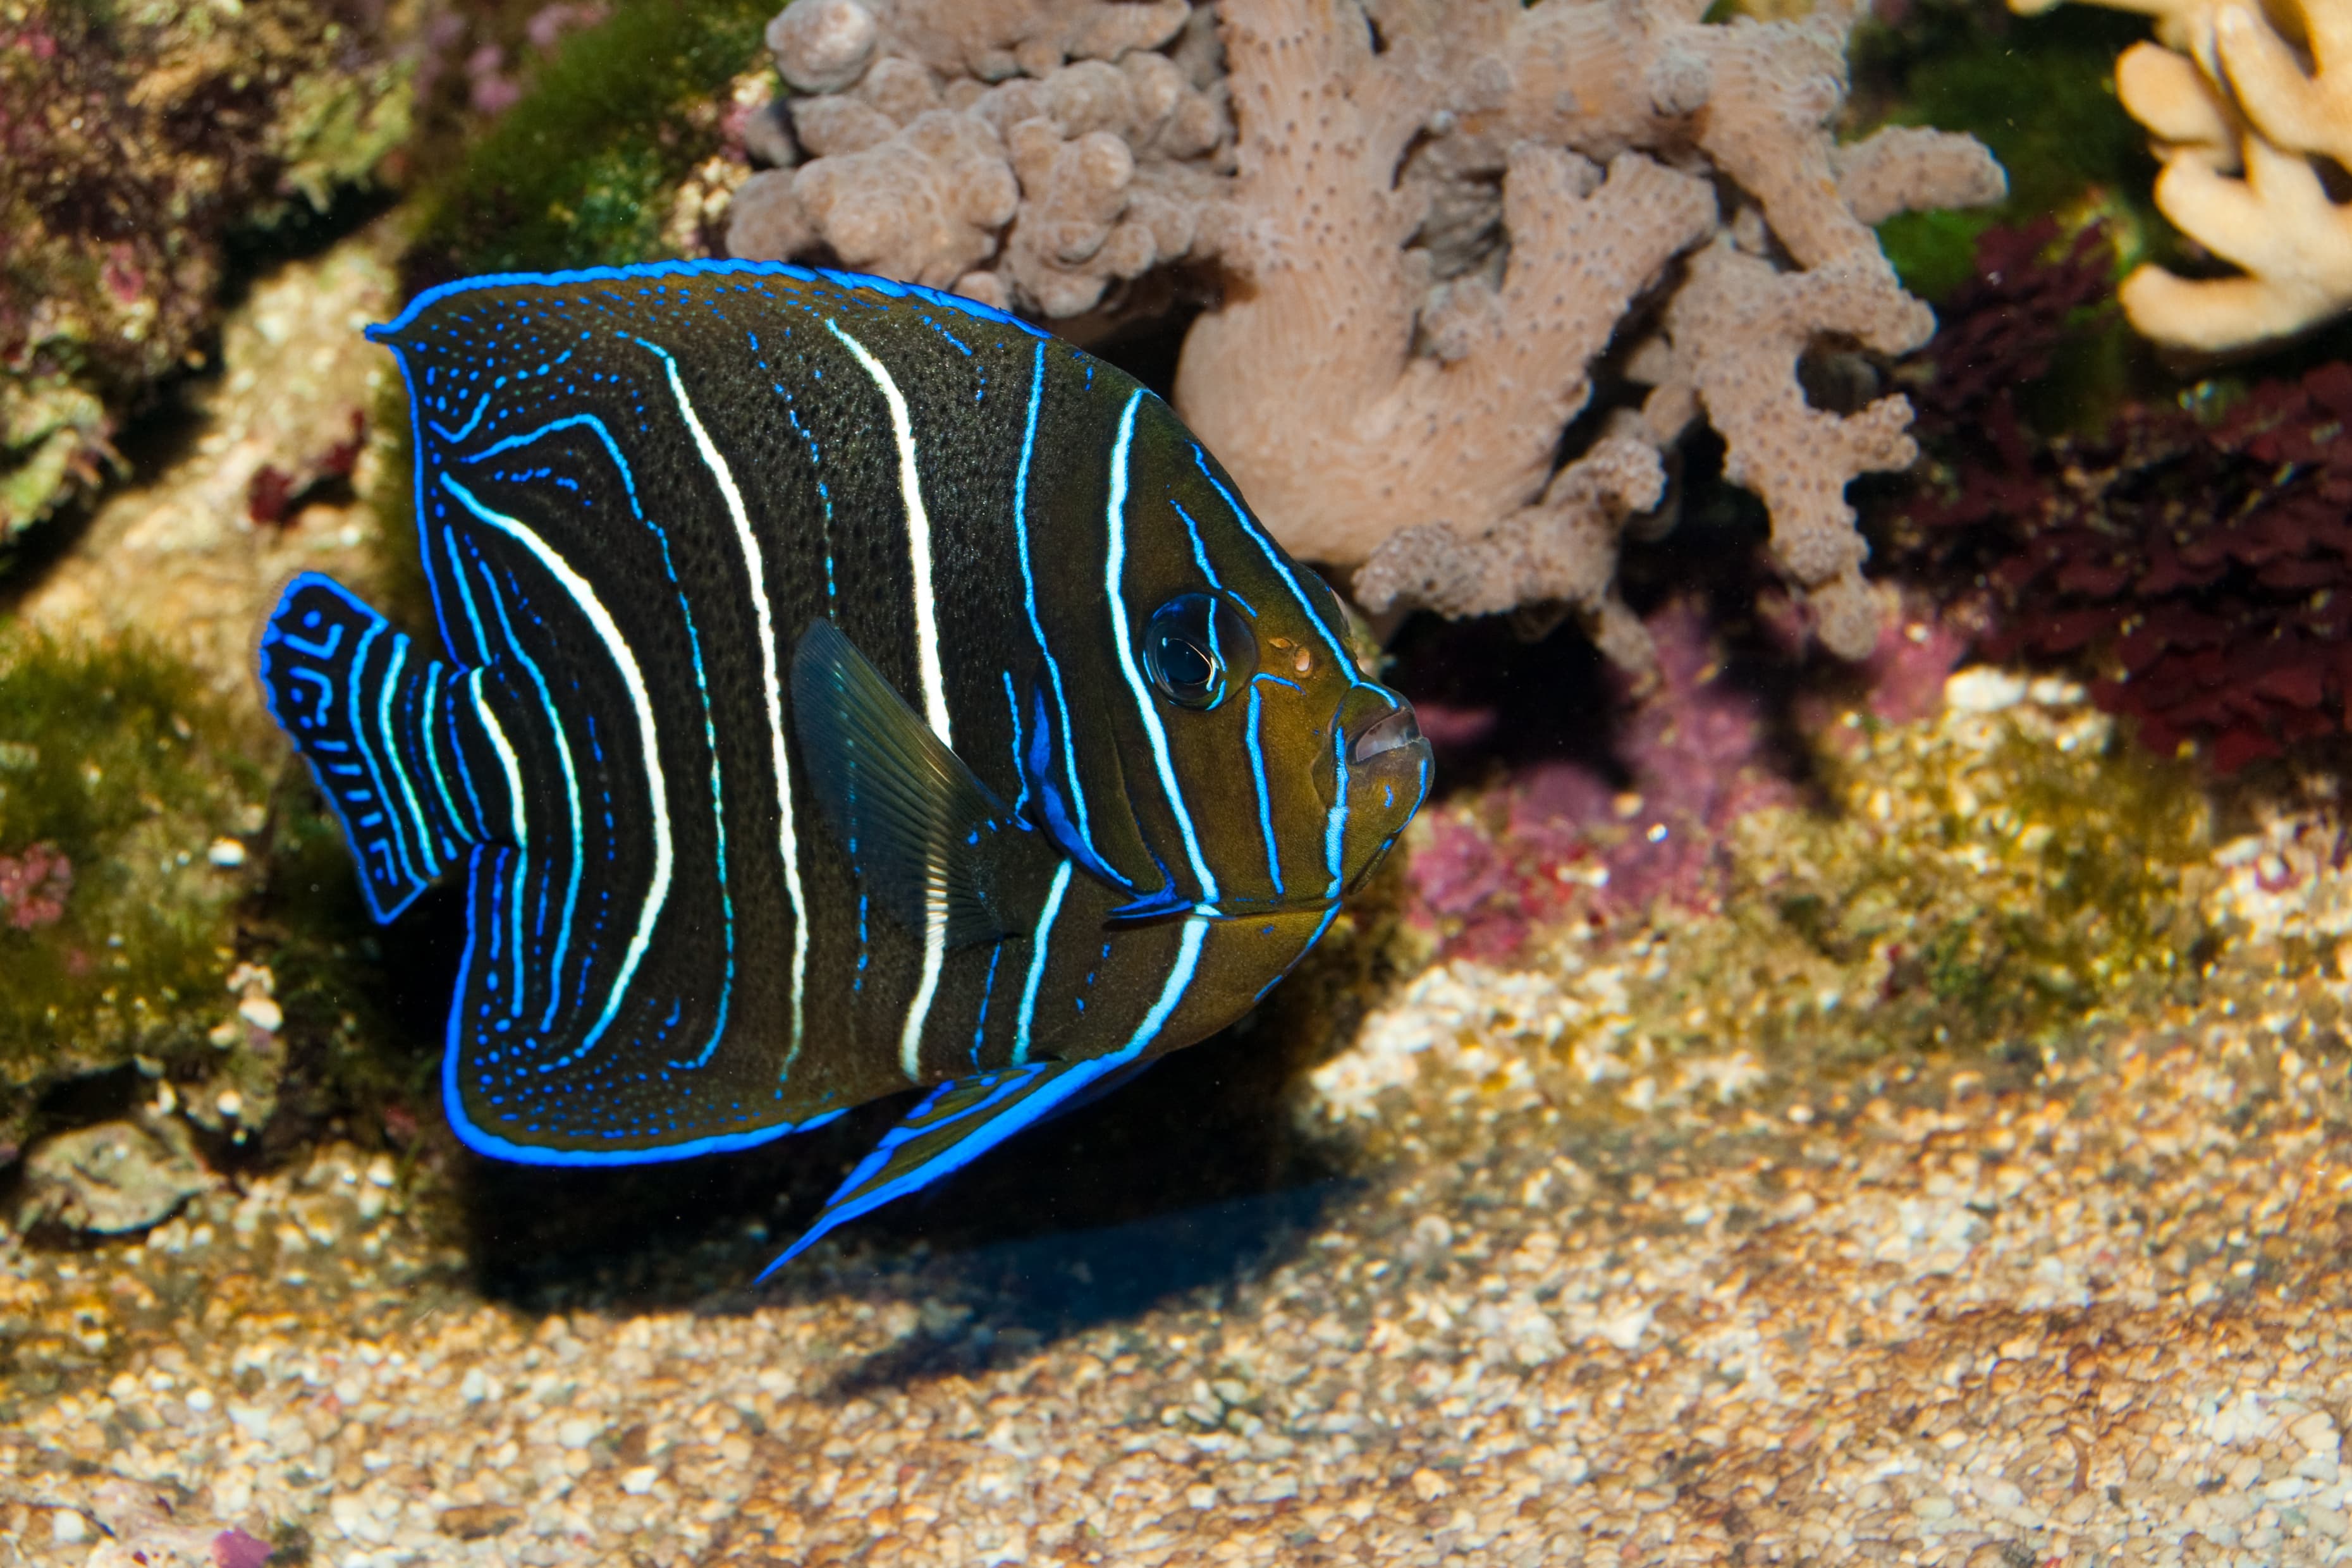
<point x="2244" y="102"/>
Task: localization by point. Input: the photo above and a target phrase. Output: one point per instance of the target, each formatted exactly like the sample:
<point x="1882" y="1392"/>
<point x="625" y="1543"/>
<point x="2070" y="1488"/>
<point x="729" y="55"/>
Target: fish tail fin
<point x="378" y="727"/>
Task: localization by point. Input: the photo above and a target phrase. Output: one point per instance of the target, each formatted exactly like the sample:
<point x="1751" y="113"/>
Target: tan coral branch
<point x="2244" y="117"/>
<point x="1355" y="429"/>
<point x="1430" y="466"/>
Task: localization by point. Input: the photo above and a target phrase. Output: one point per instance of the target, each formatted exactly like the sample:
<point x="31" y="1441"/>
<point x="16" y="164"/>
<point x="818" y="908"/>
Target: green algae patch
<point x="1981" y="881"/>
<point x="582" y="171"/>
<point x="363" y="1003"/>
<point x="118" y="935"/>
<point x="1981" y="890"/>
<point x="2040" y="93"/>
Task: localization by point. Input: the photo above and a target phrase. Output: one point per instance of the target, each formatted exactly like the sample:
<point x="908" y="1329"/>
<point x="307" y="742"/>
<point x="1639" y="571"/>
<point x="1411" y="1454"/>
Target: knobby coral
<point x="2250" y="106"/>
<point x="931" y="128"/>
<point x="1438" y="227"/>
<point x="2198" y="560"/>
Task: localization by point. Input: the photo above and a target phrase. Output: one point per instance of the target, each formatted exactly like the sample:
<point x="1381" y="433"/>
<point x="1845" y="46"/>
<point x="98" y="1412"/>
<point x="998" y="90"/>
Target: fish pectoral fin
<point x="956" y="1124"/>
<point x="927" y="836"/>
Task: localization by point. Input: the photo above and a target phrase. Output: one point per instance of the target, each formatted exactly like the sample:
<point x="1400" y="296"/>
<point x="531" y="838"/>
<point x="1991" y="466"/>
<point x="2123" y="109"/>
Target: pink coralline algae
<point x="2199" y="561"/>
<point x="34" y="884"/>
<point x="1561" y="840"/>
<point x="494" y="81"/>
<point x="235" y="1549"/>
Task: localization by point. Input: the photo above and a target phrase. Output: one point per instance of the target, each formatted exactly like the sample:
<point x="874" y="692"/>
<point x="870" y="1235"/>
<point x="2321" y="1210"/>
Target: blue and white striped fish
<point x="851" y="689"/>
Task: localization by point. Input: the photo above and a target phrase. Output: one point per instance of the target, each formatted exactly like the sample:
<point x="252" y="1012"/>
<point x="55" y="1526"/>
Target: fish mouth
<point x="1392" y="732"/>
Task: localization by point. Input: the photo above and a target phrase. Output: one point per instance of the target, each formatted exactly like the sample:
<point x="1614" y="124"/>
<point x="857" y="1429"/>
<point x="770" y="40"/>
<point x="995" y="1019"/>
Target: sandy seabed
<point x="2096" y="1314"/>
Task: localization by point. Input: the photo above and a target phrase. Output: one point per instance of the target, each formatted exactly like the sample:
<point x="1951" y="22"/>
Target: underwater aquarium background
<point x="1847" y="1065"/>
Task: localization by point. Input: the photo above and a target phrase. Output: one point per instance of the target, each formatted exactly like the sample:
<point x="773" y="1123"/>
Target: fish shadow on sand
<point x="999" y="1302"/>
<point x="1193" y="1178"/>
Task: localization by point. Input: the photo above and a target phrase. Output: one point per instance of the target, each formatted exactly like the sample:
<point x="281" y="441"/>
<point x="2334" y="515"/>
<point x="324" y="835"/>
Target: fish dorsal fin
<point x="923" y="832"/>
<point x="955" y="1124"/>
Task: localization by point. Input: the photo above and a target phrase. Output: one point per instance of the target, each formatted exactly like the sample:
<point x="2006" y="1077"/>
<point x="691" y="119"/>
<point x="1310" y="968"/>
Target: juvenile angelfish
<point x="851" y="689"/>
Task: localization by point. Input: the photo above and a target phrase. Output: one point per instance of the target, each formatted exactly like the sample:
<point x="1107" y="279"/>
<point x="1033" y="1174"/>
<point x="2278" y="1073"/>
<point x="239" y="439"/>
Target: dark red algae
<point x="2193" y="557"/>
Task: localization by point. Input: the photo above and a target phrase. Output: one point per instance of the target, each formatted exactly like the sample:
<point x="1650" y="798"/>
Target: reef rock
<point x="113" y="1177"/>
<point x="135" y="140"/>
<point x="1433" y="224"/>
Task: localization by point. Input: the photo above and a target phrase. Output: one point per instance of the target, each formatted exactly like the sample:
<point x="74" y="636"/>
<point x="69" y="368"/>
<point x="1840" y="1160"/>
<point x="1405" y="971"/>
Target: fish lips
<point x="1388" y="768"/>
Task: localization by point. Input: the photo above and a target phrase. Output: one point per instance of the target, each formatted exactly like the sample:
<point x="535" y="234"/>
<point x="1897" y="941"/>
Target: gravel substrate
<point x="2089" y="1313"/>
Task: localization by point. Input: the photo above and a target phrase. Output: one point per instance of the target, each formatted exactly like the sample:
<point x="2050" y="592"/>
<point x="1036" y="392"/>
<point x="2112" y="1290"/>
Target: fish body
<point x="849" y="689"/>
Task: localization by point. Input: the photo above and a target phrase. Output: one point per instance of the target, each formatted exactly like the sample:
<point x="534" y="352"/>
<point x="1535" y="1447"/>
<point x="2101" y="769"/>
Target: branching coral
<point x="1436" y="224"/>
<point x="2250" y="106"/>
<point x="1404" y="408"/>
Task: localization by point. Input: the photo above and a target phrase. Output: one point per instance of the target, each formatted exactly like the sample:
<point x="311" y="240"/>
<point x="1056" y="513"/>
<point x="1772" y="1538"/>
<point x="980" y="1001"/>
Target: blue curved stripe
<point x="1264" y="797"/>
<point x="571" y="421"/>
<point x="595" y="425"/>
<point x="1085" y="839"/>
<point x="396" y="761"/>
<point x="1282" y="567"/>
<point x="1335" y="828"/>
<point x="1114" y="571"/>
<point x="987" y="989"/>
<point x="625" y="664"/>
<point x="571" y="792"/>
<point x="376" y="767"/>
<point x="856" y="283"/>
<point x="466" y="430"/>
<point x="1013" y="705"/>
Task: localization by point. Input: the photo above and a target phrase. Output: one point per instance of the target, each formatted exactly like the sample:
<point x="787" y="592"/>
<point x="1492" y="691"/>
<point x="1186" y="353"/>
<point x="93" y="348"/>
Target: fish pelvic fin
<point x="929" y="839"/>
<point x="955" y="1124"/>
<point x="376" y="724"/>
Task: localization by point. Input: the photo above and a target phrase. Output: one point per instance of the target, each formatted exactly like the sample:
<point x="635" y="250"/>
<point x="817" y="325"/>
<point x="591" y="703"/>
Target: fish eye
<point x="1190" y="644"/>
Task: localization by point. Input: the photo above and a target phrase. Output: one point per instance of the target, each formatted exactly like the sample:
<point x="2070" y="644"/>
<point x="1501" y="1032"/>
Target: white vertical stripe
<point x="624" y="663"/>
<point x="1114" y="566"/>
<point x="918" y="542"/>
<point x="513" y="771"/>
<point x="507" y="763"/>
<point x="934" y="691"/>
<point x="926" y="986"/>
<point x="426" y="852"/>
<point x="1038" y="944"/>
<point x="755" y="578"/>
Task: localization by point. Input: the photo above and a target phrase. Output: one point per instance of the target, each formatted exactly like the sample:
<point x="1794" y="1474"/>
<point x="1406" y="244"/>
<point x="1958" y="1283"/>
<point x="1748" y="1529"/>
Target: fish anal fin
<point x="956" y="1124"/>
<point x="924" y="832"/>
